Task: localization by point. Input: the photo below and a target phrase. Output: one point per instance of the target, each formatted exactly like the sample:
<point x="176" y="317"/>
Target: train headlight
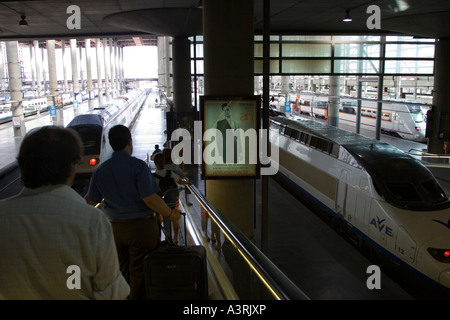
<point x="93" y="161"/>
<point x="442" y="255"/>
<point x="417" y="128"/>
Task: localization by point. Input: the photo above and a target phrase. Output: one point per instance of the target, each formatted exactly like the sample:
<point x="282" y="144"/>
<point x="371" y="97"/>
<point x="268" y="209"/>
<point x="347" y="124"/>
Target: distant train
<point x="402" y="118"/>
<point x="93" y="127"/>
<point x="383" y="199"/>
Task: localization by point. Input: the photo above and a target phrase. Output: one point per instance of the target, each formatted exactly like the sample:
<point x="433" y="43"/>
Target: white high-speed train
<point x="403" y="118"/>
<point x="382" y="197"/>
<point x="93" y="127"/>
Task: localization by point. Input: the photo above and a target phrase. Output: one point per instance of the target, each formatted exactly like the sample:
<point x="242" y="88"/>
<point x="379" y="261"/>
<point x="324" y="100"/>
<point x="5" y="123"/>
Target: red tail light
<point x="93" y="161"/>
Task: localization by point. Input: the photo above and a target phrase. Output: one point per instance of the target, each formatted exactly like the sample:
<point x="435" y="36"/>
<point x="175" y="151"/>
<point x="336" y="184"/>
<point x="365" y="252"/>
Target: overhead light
<point x="23" y="22"/>
<point x="347" y="17"/>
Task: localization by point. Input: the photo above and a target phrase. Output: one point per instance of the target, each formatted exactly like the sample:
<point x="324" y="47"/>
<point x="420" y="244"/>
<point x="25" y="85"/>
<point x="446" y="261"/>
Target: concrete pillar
<point x="99" y="71"/>
<point x="52" y="67"/>
<point x="44" y="72"/>
<point x="116" y="67"/>
<point x="181" y="74"/>
<point x="81" y="69"/>
<point x="15" y="87"/>
<point x="228" y="61"/>
<point x="333" y="101"/>
<point x="284" y="90"/>
<point x="63" y="51"/>
<point x="106" y="60"/>
<point x="38" y="64"/>
<point x="75" y="84"/>
<point x="111" y="66"/>
<point x="58" y="119"/>
<point x="441" y="96"/>
<point x="32" y="67"/>
<point x="2" y="68"/>
<point x="182" y="113"/>
<point x="87" y="44"/>
<point x="164" y="65"/>
<point x="121" y="69"/>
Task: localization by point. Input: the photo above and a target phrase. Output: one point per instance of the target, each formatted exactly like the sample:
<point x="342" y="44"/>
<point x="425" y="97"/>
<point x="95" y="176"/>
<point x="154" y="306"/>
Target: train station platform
<point x="311" y="254"/>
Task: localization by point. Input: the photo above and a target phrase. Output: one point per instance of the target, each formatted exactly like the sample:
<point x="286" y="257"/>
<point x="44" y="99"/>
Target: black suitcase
<point x="173" y="272"/>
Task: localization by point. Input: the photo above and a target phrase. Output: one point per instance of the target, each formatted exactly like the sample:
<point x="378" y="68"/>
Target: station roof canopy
<point x="146" y="19"/>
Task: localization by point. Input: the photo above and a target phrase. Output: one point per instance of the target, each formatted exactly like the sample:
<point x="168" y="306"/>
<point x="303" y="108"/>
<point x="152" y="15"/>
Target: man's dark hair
<point x="47" y="154"/>
<point x="119" y="136"/>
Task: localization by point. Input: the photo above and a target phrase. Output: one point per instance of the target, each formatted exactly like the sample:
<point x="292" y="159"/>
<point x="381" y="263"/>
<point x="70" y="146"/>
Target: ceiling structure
<point x="141" y="21"/>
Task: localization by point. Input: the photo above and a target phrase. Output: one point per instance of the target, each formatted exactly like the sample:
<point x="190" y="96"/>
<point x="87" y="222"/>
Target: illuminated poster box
<point x="230" y="137"/>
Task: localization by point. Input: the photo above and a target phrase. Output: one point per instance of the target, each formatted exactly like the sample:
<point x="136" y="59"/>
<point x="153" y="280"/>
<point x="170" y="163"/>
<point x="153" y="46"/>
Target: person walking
<point x="53" y="245"/>
<point x="131" y="201"/>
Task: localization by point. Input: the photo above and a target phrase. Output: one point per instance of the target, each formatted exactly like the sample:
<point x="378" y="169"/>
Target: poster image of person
<point x="228" y="125"/>
<point x="224" y="123"/>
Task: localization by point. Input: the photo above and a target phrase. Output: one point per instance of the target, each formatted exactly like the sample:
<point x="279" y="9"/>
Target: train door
<point x="341" y="194"/>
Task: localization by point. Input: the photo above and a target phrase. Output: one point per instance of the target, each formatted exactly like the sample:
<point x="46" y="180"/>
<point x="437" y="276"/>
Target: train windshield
<point x="91" y="137"/>
<point x="407" y="184"/>
<point x="417" y="113"/>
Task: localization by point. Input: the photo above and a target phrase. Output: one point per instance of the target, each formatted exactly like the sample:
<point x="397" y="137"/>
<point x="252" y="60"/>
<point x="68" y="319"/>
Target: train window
<point x="387" y="116"/>
<point x="327" y="145"/>
<point x="302" y="137"/>
<point x="307" y="139"/>
<point x="287" y="131"/>
<point x="334" y="150"/>
<point x="313" y="142"/>
<point x="90" y="135"/>
<point x="320" y="144"/>
<point x="297" y="135"/>
<point x="403" y="191"/>
<point x="294" y="133"/>
<point x="433" y="191"/>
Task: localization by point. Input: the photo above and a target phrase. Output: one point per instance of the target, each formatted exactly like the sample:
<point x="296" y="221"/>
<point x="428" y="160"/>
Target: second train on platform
<point x="401" y="118"/>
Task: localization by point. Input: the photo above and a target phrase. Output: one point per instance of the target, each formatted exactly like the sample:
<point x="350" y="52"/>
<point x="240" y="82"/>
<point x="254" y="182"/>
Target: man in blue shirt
<point x="129" y="191"/>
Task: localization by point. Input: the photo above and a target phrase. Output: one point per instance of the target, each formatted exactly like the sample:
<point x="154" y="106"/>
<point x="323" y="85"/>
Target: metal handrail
<point x="281" y="287"/>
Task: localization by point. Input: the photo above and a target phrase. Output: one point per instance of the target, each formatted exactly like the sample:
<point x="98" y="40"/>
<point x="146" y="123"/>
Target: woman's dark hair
<point x="159" y="160"/>
<point x="119" y="136"/>
<point x="47" y="154"/>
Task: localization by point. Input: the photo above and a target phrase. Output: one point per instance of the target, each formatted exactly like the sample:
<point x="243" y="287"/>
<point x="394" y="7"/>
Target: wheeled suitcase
<point x="173" y="272"/>
<point x="176" y="273"/>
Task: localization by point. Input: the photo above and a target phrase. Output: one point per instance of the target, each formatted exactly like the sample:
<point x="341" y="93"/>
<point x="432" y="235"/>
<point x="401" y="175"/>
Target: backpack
<point x="166" y="182"/>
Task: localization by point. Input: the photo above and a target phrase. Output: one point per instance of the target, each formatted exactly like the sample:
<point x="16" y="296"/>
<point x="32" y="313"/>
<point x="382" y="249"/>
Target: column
<point x="2" y="68"/>
<point x="228" y="51"/>
<point x="111" y="65"/>
<point x="116" y="67"/>
<point x="63" y="50"/>
<point x="15" y="87"/>
<point x="440" y="130"/>
<point x="285" y="90"/>
<point x="87" y="44"/>
<point x="122" y="75"/>
<point x="333" y="101"/>
<point x="182" y="84"/>
<point x="106" y="59"/>
<point x="32" y="67"/>
<point x="75" y="85"/>
<point x="99" y="71"/>
<point x="58" y="119"/>
<point x="164" y="65"/>
<point x="38" y="63"/>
